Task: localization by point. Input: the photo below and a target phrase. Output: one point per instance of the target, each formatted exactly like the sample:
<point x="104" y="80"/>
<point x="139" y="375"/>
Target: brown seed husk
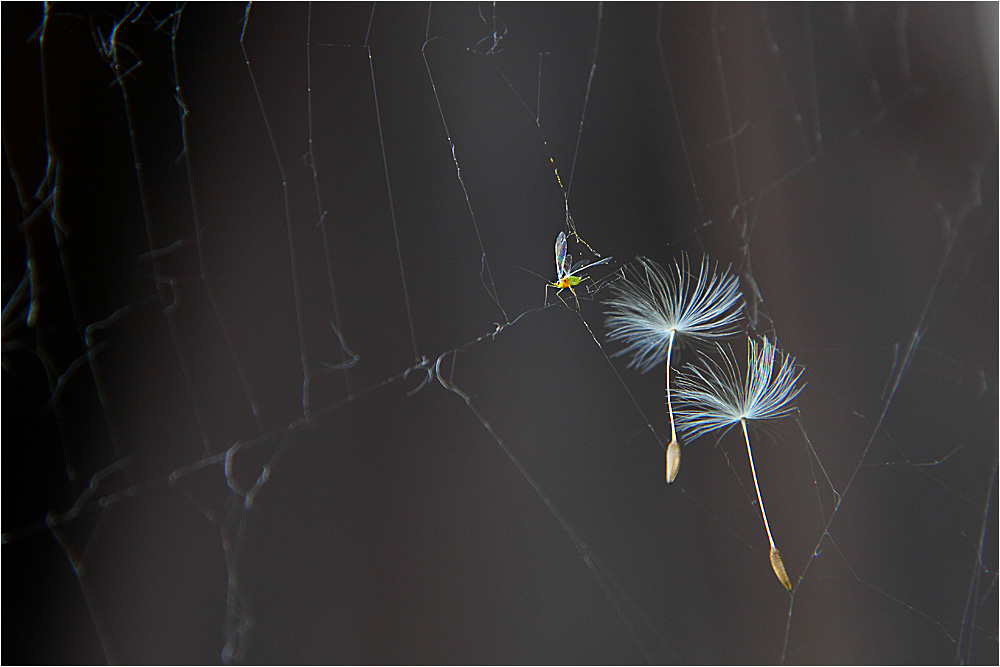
<point x="673" y="461"/>
<point x="779" y="569"/>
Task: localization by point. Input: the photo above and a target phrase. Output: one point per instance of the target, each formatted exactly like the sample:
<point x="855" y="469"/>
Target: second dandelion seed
<point x="650" y="312"/>
<point x="718" y="397"/>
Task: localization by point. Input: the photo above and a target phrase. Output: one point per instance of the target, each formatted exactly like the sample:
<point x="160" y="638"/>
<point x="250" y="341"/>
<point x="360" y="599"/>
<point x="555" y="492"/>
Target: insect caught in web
<point x="566" y="272"/>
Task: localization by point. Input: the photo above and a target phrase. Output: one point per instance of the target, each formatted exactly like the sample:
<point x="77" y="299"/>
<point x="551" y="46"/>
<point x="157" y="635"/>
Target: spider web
<point x="280" y="384"/>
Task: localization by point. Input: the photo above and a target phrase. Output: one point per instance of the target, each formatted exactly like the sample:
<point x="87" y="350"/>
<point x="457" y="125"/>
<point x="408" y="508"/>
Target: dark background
<point x="170" y="281"/>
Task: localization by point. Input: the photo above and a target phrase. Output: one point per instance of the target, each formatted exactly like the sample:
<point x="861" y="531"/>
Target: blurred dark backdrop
<point x="181" y="272"/>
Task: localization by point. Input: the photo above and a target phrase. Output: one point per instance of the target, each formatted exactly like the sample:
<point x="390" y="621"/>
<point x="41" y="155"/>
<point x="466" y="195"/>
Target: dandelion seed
<point x="673" y="460"/>
<point x="717" y="397"/>
<point x="648" y="315"/>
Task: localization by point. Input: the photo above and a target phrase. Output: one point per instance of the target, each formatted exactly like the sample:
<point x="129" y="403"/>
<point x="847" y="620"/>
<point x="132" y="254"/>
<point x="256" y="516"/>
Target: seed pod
<point x="779" y="568"/>
<point x="673" y="461"/>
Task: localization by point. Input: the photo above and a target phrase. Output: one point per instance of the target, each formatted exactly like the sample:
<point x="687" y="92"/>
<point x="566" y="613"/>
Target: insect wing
<point x="565" y="267"/>
<point x="597" y="263"/>
<point x="561" y="261"/>
<point x="582" y="265"/>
